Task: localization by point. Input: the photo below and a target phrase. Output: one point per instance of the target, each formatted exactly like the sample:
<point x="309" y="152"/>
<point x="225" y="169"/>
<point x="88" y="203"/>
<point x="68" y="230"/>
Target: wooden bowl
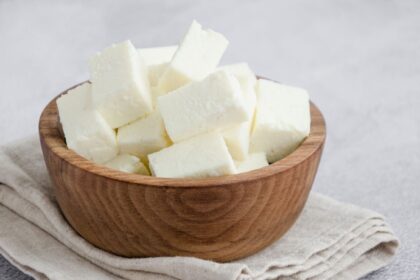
<point x="222" y="218"/>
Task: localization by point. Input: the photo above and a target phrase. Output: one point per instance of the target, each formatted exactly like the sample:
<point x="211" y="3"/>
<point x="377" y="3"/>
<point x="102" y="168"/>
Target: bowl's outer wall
<point x="222" y="223"/>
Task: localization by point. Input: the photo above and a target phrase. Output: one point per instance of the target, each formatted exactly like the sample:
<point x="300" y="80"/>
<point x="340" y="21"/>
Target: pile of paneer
<point x="171" y="112"/>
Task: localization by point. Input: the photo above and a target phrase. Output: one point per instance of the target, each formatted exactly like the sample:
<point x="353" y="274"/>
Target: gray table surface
<point x="360" y="61"/>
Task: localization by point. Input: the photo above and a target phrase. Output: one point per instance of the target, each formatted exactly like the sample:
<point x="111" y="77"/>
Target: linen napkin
<point x="330" y="240"/>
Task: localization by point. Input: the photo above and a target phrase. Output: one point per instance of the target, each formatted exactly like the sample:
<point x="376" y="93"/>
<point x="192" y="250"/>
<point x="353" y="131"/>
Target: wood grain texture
<point x="222" y="219"/>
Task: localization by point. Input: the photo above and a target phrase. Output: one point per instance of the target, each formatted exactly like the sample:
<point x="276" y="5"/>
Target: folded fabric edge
<point x="362" y="216"/>
<point x="376" y="258"/>
<point x="276" y="270"/>
<point x="332" y="266"/>
<point x="29" y="246"/>
<point x="343" y="257"/>
<point x="25" y="269"/>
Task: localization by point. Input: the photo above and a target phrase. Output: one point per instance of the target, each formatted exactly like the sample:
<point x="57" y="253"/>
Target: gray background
<point x="360" y="61"/>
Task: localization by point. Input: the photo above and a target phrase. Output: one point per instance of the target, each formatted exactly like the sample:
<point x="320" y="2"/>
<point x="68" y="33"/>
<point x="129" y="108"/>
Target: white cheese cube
<point x="237" y="140"/>
<point x="213" y="103"/>
<point x="197" y="56"/>
<point x="282" y="119"/>
<point x="158" y="55"/>
<point x="156" y="60"/>
<point x="86" y="131"/>
<point x="248" y="91"/>
<point x="201" y="156"/>
<point x="247" y="80"/>
<point x="127" y="163"/>
<point x="238" y="137"/>
<point x="242" y="72"/>
<point x="252" y="162"/>
<point x="154" y="91"/>
<point x="120" y="86"/>
<point x="155" y="72"/>
<point x="144" y="136"/>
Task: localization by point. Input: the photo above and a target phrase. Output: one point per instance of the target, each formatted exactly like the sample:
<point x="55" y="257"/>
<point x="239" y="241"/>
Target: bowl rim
<point x="53" y="140"/>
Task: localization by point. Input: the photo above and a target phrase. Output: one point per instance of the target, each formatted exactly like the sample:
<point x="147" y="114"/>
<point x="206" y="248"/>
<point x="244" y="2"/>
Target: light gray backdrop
<point x="360" y="61"/>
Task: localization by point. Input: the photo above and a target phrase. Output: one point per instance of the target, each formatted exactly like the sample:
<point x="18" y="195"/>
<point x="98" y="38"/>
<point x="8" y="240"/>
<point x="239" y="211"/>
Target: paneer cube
<point x="237" y="137"/>
<point x="156" y="60"/>
<point x="197" y="56"/>
<point x="155" y="94"/>
<point x="144" y="136"/>
<point x="127" y="163"/>
<point x="198" y="157"/>
<point x="252" y="162"/>
<point x="86" y="131"/>
<point x="237" y="140"/>
<point x="213" y="103"/>
<point x="242" y="72"/>
<point x="282" y="119"/>
<point x="246" y="79"/>
<point x="157" y="55"/>
<point x="120" y="86"/>
<point x="248" y="91"/>
<point x="155" y="72"/>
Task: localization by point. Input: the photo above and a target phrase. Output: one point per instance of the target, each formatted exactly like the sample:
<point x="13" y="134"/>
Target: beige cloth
<point x="330" y="239"/>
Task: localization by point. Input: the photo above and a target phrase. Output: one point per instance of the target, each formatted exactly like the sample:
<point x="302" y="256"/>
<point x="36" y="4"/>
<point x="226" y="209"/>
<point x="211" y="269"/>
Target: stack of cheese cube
<point x="172" y="112"/>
